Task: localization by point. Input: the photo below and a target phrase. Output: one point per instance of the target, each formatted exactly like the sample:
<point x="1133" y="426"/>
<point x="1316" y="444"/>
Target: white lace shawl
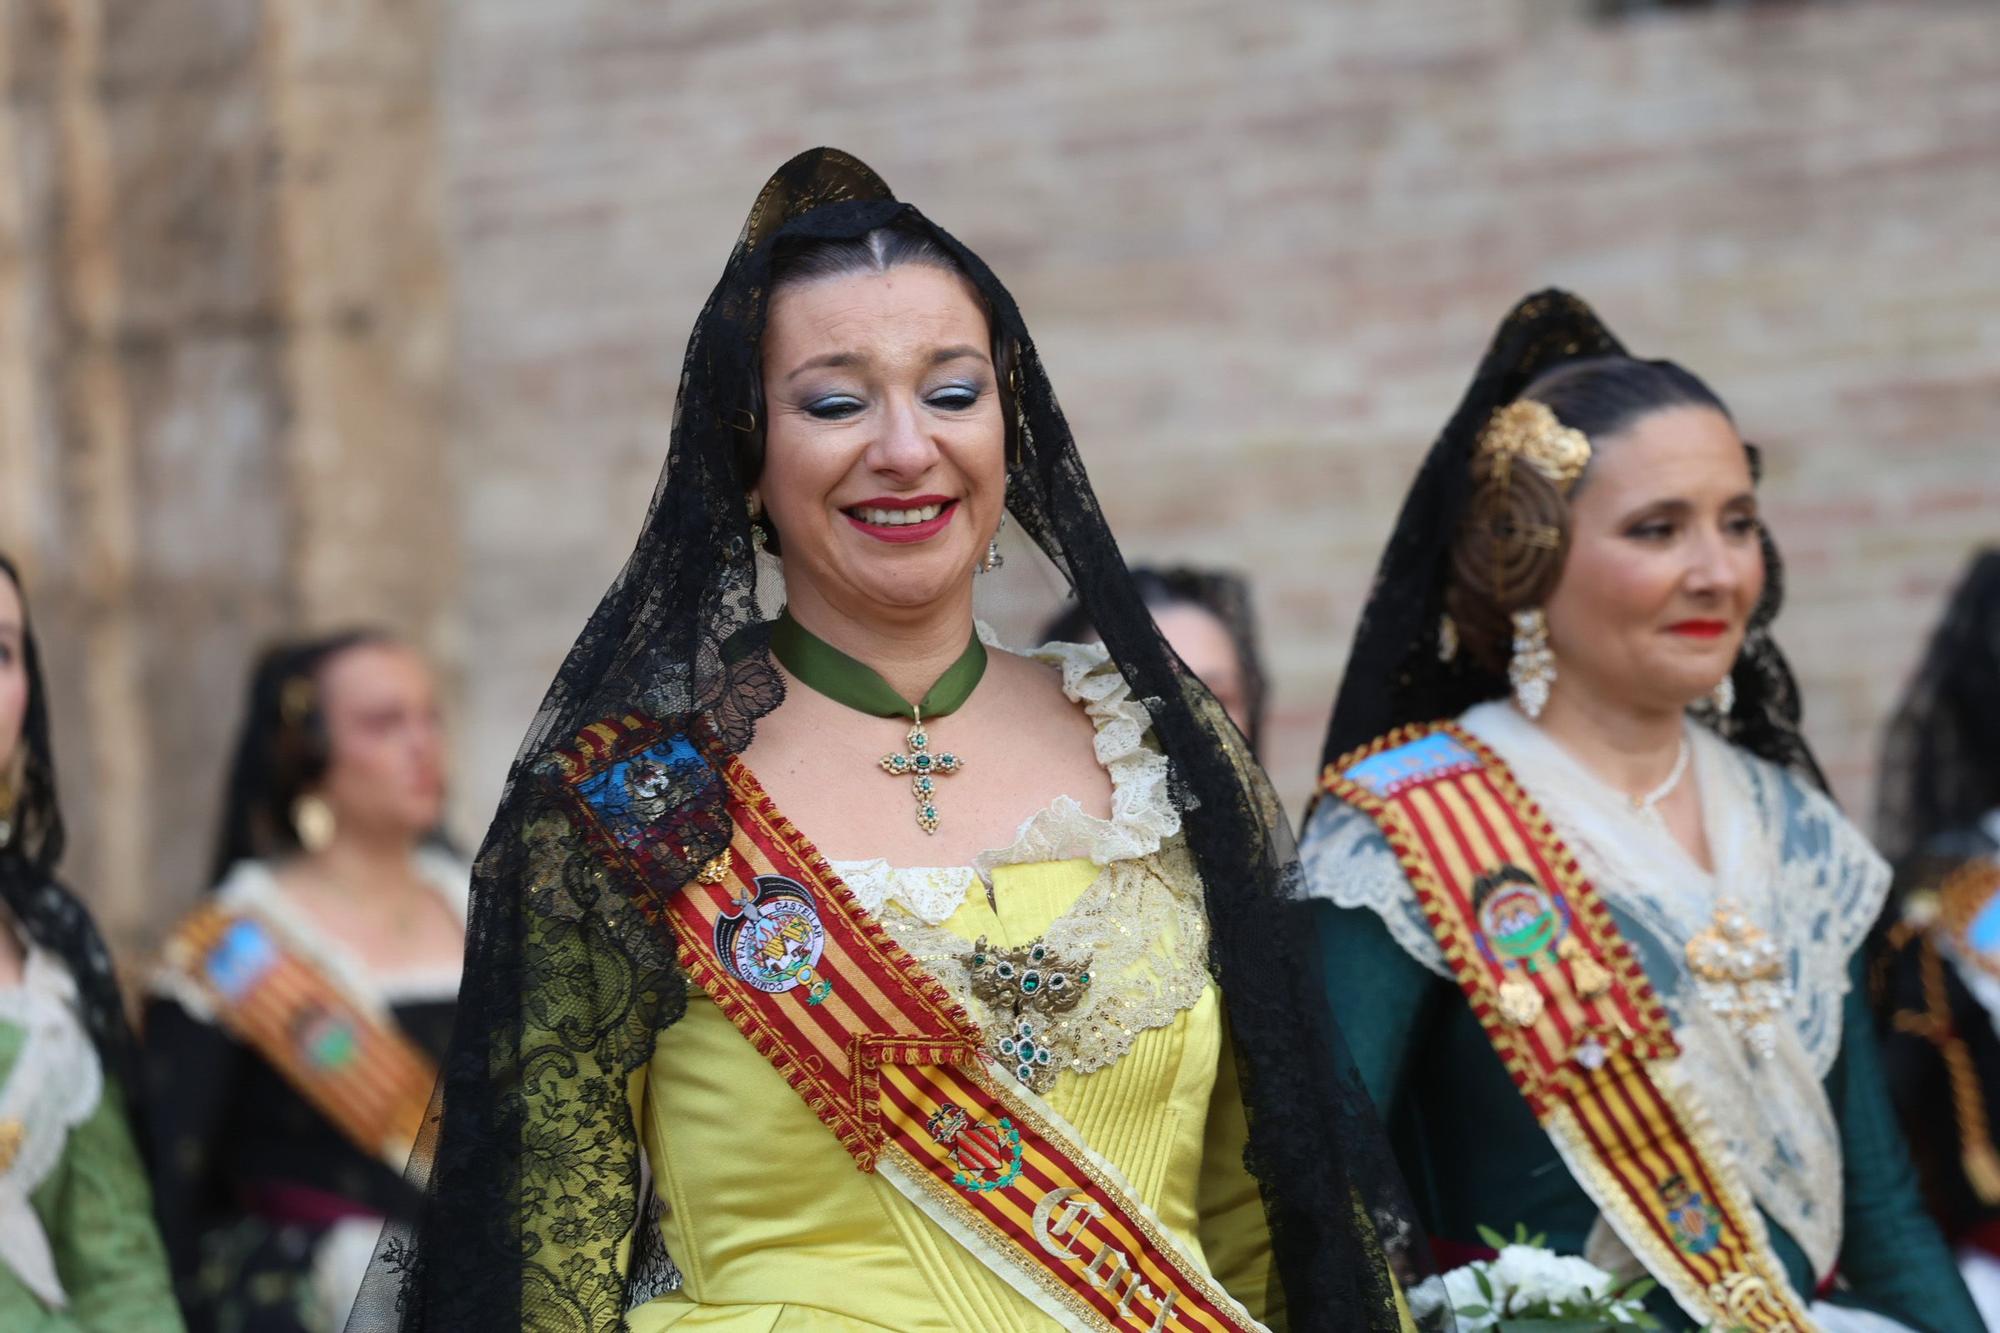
<point x="1783" y="852"/>
<point x="52" y="1088"/>
<point x="1142" y="922"/>
<point x="251" y="887"/>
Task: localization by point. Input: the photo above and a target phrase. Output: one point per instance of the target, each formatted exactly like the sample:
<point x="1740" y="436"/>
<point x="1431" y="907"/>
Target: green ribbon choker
<point x="843" y="679"/>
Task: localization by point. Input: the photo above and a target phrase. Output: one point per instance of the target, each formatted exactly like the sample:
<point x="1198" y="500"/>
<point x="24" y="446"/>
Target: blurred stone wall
<point x="398" y="294"/>
<point x="224" y="348"/>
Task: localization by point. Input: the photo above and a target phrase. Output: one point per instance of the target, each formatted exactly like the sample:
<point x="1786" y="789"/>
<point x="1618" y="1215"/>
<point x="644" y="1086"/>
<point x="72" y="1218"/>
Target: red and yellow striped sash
<point x="368" y="1079"/>
<point x="881" y="1052"/>
<point x="1570" y="1013"/>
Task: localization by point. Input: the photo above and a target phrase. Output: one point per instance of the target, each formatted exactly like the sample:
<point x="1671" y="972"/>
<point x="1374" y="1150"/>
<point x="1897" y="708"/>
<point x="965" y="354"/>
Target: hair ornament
<point x="1529" y="431"/>
<point x="296" y="700"/>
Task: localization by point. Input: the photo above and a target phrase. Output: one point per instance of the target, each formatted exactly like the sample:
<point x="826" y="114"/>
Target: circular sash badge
<point x="773" y="941"/>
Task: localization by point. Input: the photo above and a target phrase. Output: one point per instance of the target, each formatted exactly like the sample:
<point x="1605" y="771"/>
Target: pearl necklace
<point x="1650" y="802"/>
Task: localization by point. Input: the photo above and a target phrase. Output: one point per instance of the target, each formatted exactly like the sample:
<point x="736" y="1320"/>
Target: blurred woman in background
<point x="1207" y="618"/>
<point x="1938" y="819"/>
<point x="299" y="1014"/>
<point x="77" y="1246"/>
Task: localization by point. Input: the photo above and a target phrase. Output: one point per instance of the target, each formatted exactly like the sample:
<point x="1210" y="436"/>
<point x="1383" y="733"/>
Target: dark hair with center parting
<point x="1510" y="548"/>
<point x="801" y="260"/>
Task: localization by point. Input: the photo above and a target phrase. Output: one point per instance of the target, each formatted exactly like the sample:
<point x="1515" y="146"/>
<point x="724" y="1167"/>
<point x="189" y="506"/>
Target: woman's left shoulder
<point x="1786" y="797"/>
<point x="1831" y="865"/>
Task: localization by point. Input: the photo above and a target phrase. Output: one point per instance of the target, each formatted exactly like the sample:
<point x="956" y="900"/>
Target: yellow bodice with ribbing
<point x="773" y="1228"/>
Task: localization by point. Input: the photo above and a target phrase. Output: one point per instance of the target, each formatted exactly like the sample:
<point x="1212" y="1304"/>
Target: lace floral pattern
<point x="1141" y="923"/>
<point x="600" y="987"/>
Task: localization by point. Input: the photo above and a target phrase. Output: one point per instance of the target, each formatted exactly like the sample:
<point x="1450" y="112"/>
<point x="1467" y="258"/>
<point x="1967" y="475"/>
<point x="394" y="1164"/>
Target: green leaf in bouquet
<point x="1638" y="1289"/>
<point x="1492" y="1238"/>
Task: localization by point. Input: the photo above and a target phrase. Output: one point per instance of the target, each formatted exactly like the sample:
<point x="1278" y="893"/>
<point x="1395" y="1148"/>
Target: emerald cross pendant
<point x="923" y="769"/>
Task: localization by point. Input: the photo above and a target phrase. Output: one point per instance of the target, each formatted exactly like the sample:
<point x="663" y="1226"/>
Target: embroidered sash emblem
<point x="987" y="1152"/>
<point x="326" y="1041"/>
<point x="774" y="940"/>
<point x="1697" y="1226"/>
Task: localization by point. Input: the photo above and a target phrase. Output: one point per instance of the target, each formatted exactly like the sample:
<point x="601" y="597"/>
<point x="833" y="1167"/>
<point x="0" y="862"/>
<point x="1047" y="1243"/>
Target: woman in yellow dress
<point x="836" y="968"/>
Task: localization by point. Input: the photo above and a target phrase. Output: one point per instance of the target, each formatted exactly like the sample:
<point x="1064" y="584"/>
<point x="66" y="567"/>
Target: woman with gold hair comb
<point x="1594" y="922"/>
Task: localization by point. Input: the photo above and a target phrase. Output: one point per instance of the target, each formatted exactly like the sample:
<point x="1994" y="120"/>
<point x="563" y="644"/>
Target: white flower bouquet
<point x="1529" y="1289"/>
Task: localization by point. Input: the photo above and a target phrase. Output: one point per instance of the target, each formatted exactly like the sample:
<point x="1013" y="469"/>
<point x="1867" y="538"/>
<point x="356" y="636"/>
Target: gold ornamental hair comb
<point x="1529" y="431"/>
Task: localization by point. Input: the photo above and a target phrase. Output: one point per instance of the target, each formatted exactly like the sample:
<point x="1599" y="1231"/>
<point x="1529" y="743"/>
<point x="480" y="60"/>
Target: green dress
<point x="78" y="1249"/>
<point x="1828" y="1155"/>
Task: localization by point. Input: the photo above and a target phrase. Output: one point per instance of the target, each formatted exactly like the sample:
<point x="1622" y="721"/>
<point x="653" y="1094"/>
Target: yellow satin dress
<point x="776" y="1231"/>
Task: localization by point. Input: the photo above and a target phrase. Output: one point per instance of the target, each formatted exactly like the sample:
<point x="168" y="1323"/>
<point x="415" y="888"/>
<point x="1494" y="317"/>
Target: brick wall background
<point x="424" y="273"/>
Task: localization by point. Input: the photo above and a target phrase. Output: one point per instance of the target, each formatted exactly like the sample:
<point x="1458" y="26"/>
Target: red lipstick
<point x="900" y="533"/>
<point x="1700" y="629"/>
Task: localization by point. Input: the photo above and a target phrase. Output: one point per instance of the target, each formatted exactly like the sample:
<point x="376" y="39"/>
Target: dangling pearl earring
<point x="1723" y="696"/>
<point x="1532" y="668"/>
<point x="1447" y="637"/>
<point x="312" y="820"/>
<point x="993" y="558"/>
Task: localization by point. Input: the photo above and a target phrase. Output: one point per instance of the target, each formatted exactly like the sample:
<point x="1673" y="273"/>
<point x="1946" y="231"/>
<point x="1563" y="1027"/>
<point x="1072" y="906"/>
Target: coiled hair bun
<point x="1508" y="556"/>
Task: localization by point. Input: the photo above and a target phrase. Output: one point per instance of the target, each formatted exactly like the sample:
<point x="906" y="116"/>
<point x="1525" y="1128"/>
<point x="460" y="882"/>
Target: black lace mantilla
<point x="1941" y="756"/>
<point x="533" y="1166"/>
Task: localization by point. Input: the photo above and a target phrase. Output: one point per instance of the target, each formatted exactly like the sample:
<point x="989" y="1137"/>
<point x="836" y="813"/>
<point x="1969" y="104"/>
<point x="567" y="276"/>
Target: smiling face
<point x="1664" y="565"/>
<point x="885" y="448"/>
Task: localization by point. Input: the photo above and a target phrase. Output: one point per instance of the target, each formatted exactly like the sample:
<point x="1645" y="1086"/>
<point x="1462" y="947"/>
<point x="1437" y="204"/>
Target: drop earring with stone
<point x="1532" y="667"/>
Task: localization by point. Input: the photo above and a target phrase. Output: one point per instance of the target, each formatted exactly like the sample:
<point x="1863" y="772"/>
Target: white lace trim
<point x="54" y="1085"/>
<point x="1344" y="859"/>
<point x="251" y="888"/>
<point x="1142" y="818"/>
